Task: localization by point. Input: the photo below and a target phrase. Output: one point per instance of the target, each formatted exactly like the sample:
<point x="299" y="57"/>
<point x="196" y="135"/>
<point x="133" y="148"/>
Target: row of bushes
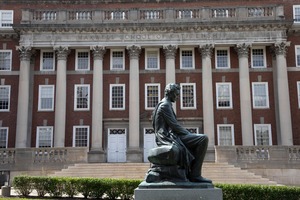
<point x="70" y="187"/>
<point x="124" y="188"/>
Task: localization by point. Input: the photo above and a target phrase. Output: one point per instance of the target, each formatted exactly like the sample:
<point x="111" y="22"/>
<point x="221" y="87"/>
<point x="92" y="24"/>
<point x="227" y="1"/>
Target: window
<point x="222" y="58"/>
<point x="117" y="97"/>
<point x="260" y="95"/>
<point x="225" y="134"/>
<point x="119" y="15"/>
<point x="263" y="134"/>
<point x="47" y="61"/>
<point x="153" y="14"/>
<point x="185" y="14"/>
<point x="152" y="95"/>
<point x="81" y="136"/>
<point x="4" y="97"/>
<point x="187" y="59"/>
<point x="188" y="96"/>
<point x="46" y="97"/>
<point x="5" y="60"/>
<point x="224" y="95"/>
<point x="44" y="136"/>
<point x="82" y="97"/>
<point x="297" y="50"/>
<point x="193" y="130"/>
<point x="298" y="89"/>
<point x="117" y="60"/>
<point x="82" y="60"/>
<point x="3" y="137"/>
<point x="296" y="13"/>
<point x="6" y="18"/>
<point x="258" y="58"/>
<point x="152" y="59"/>
<point x="220" y="13"/>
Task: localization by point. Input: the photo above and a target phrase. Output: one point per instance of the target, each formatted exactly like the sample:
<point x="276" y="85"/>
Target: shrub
<point x="23" y="185"/>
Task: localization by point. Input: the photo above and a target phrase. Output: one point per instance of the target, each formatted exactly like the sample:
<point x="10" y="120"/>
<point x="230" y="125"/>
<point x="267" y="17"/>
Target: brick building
<point x="89" y="73"/>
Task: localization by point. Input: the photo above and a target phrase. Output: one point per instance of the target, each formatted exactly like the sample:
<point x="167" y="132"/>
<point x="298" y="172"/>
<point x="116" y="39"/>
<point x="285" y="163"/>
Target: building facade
<point x="89" y="73"/>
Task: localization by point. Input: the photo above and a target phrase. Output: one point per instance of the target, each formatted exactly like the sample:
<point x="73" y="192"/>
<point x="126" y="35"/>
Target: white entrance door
<point x="149" y="142"/>
<point x="116" y="149"/>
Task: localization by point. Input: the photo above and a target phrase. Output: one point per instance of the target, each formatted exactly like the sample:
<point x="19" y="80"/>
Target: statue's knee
<point x="205" y="139"/>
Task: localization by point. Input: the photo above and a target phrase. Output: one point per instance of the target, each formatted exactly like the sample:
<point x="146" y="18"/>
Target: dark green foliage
<point x="23" y="185"/>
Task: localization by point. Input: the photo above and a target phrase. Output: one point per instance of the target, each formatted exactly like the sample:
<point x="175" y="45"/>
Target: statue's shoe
<point x="200" y="179"/>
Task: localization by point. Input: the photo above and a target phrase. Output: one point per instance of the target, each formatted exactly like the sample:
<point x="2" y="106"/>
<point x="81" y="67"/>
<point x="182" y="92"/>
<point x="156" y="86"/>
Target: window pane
<point x="6" y="18"/>
<point x="46" y="97"/>
<point x="5" y="60"/>
<point x="260" y="95"/>
<point x="188" y="96"/>
<point x="222" y="58"/>
<point x="48" y="61"/>
<point x="297" y="14"/>
<point x="224" y="96"/>
<point x="152" y="60"/>
<point x="81" y="137"/>
<point x="262" y="135"/>
<point x="152" y="96"/>
<point x="187" y="59"/>
<point x="117" y="60"/>
<point x="45" y="136"/>
<point x="4" y="98"/>
<point x="83" y="60"/>
<point x="3" y="137"/>
<point x="117" y="97"/>
<point x="82" y="97"/>
<point x="298" y="56"/>
<point x="258" y="57"/>
<point x="225" y="136"/>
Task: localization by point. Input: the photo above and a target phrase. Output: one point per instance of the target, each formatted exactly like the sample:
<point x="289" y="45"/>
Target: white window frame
<point x="6" y="139"/>
<point x="232" y="133"/>
<point x="110" y="96"/>
<point x="267" y="95"/>
<point x="294" y="13"/>
<point x="264" y="57"/>
<point x="9" y="97"/>
<point x="230" y="95"/>
<point x="74" y="135"/>
<point x="193" y="58"/>
<point x="40" y="98"/>
<point x="147" y="107"/>
<point x="194" y="97"/>
<point x="297" y="54"/>
<point x="11" y="21"/>
<point x="298" y="92"/>
<point x="111" y="59"/>
<point x="77" y="62"/>
<point x="38" y="129"/>
<point x="10" y="59"/>
<point x="146" y="59"/>
<point x="228" y="57"/>
<point x="42" y="59"/>
<point x="88" y="97"/>
<point x="256" y="126"/>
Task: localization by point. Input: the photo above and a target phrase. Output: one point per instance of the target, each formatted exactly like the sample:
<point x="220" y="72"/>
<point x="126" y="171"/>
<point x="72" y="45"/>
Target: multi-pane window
<point x="185" y="14"/>
<point x="224" y="95"/>
<point x="297" y="50"/>
<point x="82" y="97"/>
<point x="188" y="95"/>
<point x="260" y="94"/>
<point x="152" y="95"/>
<point x="193" y="130"/>
<point x="263" y="134"/>
<point x="47" y="61"/>
<point x="258" y="58"/>
<point x="117" y="97"/>
<point x="81" y="136"/>
<point x="225" y="134"/>
<point x="222" y="58"/>
<point x="296" y="13"/>
<point x="187" y="59"/>
<point x="4" y="97"/>
<point x="82" y="60"/>
<point x="3" y="137"/>
<point x="44" y="136"/>
<point x="6" y="18"/>
<point x="152" y="59"/>
<point x="5" y="60"/>
<point x="46" y="97"/>
<point x="298" y="89"/>
<point x="117" y="60"/>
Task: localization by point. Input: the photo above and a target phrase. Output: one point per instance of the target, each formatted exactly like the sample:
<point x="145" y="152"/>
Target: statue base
<point x="177" y="191"/>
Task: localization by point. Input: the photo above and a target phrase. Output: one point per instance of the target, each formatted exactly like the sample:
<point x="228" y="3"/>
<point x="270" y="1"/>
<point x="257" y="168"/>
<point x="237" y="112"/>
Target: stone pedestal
<point x="5" y="191"/>
<point x="96" y="156"/>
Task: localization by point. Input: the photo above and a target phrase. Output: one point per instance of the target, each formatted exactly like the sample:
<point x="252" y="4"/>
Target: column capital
<point x="170" y="51"/>
<point x="243" y="49"/>
<point x="62" y="52"/>
<point x="98" y="52"/>
<point x="25" y="52"/>
<point x="280" y="48"/>
<point x="206" y="50"/>
<point x="134" y="51"/>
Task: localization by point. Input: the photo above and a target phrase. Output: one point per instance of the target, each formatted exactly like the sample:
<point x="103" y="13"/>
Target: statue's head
<point x="172" y="91"/>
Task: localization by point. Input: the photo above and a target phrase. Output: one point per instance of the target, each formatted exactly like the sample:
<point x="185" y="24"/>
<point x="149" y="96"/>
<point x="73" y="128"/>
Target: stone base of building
<point x="134" y="155"/>
<point x="96" y="156"/>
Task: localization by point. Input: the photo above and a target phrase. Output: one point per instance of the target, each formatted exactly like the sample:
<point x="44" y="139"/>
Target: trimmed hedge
<point x="108" y="188"/>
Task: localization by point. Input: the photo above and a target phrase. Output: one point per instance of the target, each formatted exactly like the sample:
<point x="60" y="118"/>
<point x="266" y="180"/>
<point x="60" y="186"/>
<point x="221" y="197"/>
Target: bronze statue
<point x="180" y="154"/>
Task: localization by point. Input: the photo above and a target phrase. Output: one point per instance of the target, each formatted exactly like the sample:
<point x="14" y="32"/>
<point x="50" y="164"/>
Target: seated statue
<point x="180" y="154"/>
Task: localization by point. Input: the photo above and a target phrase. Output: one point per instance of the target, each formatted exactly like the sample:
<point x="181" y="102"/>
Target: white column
<point x="61" y="94"/>
<point x="97" y="111"/>
<point x="134" y="103"/>
<point x="283" y="94"/>
<point x="23" y="97"/>
<point x="207" y="93"/>
<point x="245" y="94"/>
<point x="170" y="54"/>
